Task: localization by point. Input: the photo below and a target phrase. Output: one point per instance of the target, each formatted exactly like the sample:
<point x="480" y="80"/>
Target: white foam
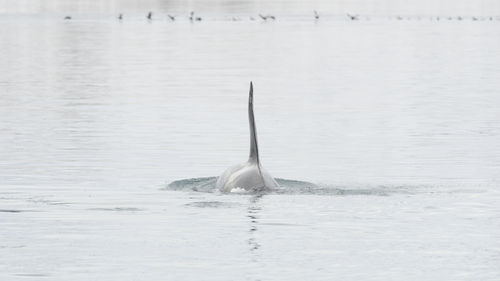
<point x="239" y="190"/>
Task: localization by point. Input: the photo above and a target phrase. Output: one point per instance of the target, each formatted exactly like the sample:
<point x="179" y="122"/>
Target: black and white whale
<point x="249" y="176"/>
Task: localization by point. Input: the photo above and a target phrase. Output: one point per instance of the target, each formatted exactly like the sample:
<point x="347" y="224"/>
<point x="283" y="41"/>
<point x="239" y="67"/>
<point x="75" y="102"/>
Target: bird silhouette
<point x="266" y="17"/>
<point x="353" y="17"/>
<point x="192" y="17"/>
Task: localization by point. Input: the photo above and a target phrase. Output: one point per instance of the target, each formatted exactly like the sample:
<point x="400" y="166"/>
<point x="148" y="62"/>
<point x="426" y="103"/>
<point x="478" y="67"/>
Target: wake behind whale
<point x="209" y="184"/>
<point x="291" y="187"/>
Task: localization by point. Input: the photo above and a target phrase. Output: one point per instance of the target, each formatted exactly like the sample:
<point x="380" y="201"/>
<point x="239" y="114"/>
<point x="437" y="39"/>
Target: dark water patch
<point x="117" y="209"/>
<point x="211" y="204"/>
<point x="12" y="211"/>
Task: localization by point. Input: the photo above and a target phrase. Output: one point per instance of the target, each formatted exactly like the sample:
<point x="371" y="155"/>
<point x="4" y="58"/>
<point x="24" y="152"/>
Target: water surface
<point x="112" y="133"/>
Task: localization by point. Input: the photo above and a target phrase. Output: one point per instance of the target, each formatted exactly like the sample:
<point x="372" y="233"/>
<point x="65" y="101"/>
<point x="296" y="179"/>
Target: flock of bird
<point x="351" y="17"/>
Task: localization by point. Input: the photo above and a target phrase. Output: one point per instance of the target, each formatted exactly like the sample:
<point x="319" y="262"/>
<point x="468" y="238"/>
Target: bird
<point x="474" y="18"/>
<point x="252" y="18"/>
<point x="120" y="17"/>
<point x="172" y="18"/>
<point x="353" y="17"/>
<point x="316" y="15"/>
<point x="459" y="18"/>
<point x="192" y="17"/>
<point x="150" y="15"/>
<point x="67" y="17"/>
<point x="267" y="17"/>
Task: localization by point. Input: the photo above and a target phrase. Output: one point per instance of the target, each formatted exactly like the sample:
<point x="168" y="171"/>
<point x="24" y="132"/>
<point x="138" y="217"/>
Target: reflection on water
<point x="253" y="214"/>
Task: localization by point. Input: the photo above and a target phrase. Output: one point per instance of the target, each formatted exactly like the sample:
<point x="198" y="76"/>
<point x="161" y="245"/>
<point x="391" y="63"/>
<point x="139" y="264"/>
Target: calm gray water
<point x="111" y="133"/>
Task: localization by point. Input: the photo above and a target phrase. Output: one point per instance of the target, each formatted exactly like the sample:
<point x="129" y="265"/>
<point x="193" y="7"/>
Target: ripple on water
<point x="206" y="184"/>
<point x="287" y="186"/>
<point x="10" y="211"/>
<point x="117" y="209"/>
<point x="211" y="204"/>
<point x="33" y="274"/>
<point x="15" y="211"/>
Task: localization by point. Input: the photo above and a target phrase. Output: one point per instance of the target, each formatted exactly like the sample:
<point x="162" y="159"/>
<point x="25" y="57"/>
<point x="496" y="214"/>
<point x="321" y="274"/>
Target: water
<point x="383" y="133"/>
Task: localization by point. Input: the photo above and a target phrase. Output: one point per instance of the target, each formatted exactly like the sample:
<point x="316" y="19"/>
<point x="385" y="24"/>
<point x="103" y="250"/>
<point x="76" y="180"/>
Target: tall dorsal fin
<point x="254" y="149"/>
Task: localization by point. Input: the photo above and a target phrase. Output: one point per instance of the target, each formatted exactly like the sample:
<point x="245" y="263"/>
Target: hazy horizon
<point x="366" y="7"/>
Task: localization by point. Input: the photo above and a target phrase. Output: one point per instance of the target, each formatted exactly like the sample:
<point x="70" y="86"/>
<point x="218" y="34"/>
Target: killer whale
<point x="250" y="176"/>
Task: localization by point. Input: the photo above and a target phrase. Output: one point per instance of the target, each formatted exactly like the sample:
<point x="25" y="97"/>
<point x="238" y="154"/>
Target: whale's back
<point x="249" y="176"/>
